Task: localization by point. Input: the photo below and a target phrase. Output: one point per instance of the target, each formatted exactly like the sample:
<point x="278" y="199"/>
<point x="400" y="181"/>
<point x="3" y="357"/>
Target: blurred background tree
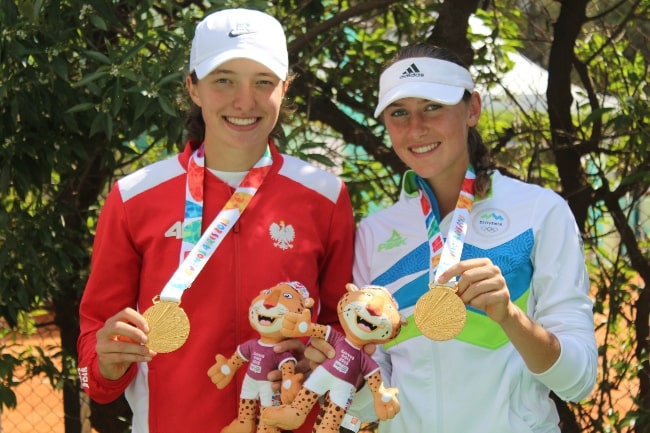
<point x="91" y="90"/>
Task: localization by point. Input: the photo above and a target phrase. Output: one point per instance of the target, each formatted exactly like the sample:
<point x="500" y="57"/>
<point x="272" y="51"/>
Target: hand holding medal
<point x="440" y="314"/>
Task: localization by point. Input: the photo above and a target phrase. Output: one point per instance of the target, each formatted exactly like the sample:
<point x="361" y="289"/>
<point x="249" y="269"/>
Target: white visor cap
<point x="239" y="34"/>
<point x="437" y="80"/>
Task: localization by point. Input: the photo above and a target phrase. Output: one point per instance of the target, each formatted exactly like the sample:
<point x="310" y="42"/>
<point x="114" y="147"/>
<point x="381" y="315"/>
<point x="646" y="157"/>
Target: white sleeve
<point x="560" y="290"/>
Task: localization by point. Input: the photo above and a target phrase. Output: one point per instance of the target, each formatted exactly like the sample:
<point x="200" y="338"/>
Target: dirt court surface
<point x="39" y="407"/>
<point x="39" y="410"/>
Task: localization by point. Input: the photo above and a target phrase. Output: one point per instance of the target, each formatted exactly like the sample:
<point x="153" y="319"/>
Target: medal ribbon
<point x="445" y="254"/>
<point x="195" y="250"/>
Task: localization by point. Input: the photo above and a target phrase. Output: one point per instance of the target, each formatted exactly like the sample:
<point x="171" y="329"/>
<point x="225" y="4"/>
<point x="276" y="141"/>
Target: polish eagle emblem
<point x="282" y="235"/>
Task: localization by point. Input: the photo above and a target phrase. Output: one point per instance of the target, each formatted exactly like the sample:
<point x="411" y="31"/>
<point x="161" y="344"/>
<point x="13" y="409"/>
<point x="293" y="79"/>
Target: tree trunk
<point x="564" y="141"/>
<point x="66" y="313"/>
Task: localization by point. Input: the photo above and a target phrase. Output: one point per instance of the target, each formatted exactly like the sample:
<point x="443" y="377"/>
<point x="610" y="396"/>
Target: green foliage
<point x="29" y="360"/>
<point x="91" y="90"/>
<point x="77" y="84"/>
<point x="80" y="82"/>
<point x="8" y="363"/>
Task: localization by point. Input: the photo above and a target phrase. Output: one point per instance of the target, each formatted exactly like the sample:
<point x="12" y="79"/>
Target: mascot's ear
<point x="309" y="302"/>
<point x="351" y="287"/>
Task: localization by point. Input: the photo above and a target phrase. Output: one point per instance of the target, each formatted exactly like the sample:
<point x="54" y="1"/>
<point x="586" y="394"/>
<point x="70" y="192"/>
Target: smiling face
<point x="269" y="307"/>
<point x="369" y="315"/>
<point x="240" y="101"/>
<point x="431" y="138"/>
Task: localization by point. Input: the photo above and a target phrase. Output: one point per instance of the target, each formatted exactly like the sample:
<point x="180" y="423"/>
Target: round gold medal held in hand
<point x="169" y="326"/>
<point x="440" y="313"/>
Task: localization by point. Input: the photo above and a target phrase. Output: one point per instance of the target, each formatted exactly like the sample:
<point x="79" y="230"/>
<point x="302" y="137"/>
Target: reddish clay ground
<point x="39" y="407"/>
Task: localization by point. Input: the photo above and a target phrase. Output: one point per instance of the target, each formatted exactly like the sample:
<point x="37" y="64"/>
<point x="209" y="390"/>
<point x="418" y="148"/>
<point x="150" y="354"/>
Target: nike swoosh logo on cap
<point x="235" y="33"/>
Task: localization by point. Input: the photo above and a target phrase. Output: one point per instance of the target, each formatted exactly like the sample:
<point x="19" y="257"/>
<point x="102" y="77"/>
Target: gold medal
<point x="440" y="313"/>
<point x="169" y="326"/>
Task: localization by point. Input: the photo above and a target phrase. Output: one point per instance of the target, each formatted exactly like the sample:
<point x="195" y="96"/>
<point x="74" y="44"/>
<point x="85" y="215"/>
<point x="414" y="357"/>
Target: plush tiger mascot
<point x="367" y="315"/>
<point x="266" y="315"/>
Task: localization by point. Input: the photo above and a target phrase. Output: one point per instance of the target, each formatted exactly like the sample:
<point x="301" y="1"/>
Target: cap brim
<point x="440" y="93"/>
<point x="209" y="65"/>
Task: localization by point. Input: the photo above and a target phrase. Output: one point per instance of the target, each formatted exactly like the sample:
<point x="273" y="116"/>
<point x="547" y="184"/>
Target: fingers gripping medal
<point x="440" y="313"/>
<point x="168" y="324"/>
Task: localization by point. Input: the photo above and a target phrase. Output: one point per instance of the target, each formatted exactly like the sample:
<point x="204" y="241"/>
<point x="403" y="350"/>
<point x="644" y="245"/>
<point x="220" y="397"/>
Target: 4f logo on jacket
<point x="282" y="234"/>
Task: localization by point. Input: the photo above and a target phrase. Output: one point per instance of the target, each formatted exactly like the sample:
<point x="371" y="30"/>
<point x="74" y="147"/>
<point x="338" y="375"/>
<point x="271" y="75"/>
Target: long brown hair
<point x="195" y="125"/>
<point x="479" y="153"/>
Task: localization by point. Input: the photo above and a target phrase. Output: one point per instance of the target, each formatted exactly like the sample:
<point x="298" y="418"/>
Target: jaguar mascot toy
<point x="367" y="315"/>
<point x="266" y="315"/>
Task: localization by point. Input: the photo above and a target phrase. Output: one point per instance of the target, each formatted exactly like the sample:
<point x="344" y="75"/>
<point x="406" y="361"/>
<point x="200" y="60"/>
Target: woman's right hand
<point x="121" y="342"/>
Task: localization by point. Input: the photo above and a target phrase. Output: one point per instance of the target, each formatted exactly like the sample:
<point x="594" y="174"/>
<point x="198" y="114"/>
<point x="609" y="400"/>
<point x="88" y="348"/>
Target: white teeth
<point x="424" y="149"/>
<point x="241" y="121"/>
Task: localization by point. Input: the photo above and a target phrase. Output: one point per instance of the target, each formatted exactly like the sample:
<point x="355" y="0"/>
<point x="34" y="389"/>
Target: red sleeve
<point x="111" y="287"/>
<point x="114" y="284"/>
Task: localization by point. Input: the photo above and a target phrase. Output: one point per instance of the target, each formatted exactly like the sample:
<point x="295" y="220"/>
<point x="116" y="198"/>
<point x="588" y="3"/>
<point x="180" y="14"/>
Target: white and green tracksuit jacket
<point x="477" y="382"/>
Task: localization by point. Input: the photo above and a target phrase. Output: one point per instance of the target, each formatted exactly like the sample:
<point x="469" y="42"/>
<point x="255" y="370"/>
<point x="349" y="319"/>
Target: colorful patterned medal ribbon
<point x="168" y="323"/>
<point x="440" y="314"/>
<point x="196" y="252"/>
<point x="445" y="254"/>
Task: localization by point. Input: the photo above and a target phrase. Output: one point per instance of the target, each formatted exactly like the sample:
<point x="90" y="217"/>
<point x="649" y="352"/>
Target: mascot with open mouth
<point x="266" y="315"/>
<point x="367" y="315"/>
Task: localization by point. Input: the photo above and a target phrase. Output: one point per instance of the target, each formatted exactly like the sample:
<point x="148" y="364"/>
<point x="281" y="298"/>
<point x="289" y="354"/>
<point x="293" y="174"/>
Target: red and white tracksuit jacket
<point x="299" y="226"/>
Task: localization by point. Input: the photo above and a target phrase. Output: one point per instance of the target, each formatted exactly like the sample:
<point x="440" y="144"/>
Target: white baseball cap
<point x="437" y="80"/>
<point x="239" y="34"/>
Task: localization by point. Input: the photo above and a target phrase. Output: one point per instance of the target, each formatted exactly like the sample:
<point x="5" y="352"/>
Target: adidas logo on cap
<point x="411" y="72"/>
